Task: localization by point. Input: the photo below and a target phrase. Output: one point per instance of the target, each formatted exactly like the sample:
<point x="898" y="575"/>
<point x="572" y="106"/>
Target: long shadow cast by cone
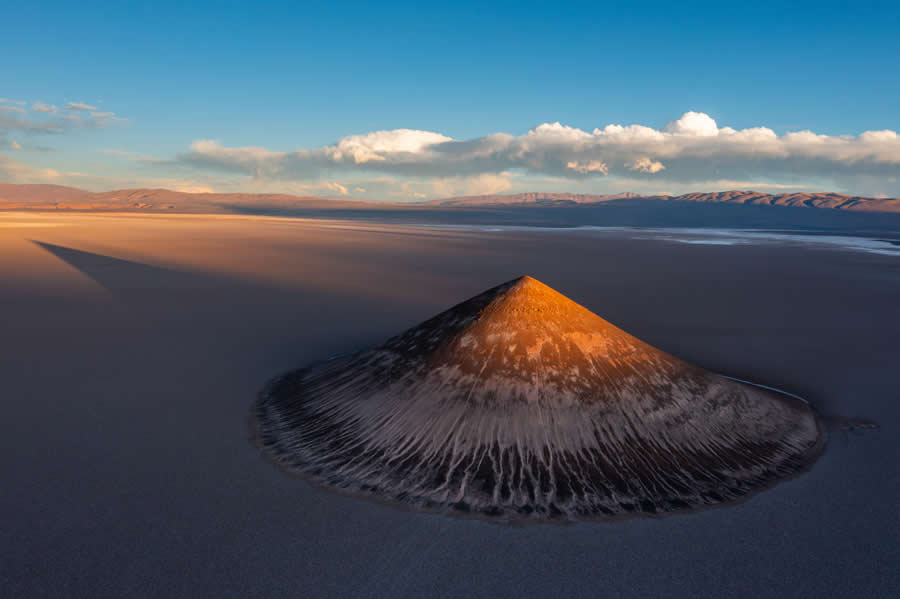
<point x="133" y="281"/>
<point x="184" y="296"/>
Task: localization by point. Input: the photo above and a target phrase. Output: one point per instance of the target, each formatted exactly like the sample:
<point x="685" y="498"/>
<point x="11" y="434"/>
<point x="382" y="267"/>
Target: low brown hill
<point x="54" y="197"/>
<point x="13" y="195"/>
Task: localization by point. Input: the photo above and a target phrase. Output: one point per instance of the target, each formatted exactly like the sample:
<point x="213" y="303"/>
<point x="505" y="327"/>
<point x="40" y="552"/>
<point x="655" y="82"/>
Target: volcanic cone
<point x="520" y="403"/>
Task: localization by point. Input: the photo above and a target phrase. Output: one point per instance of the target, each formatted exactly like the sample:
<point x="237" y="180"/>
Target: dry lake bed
<point x="133" y="347"/>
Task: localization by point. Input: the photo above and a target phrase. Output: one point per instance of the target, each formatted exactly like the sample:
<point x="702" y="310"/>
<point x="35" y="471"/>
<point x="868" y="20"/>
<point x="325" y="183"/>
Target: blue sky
<point x="279" y="78"/>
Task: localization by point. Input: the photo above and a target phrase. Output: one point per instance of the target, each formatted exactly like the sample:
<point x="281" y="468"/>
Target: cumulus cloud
<point x="885" y="136"/>
<point x="380" y="145"/>
<point x="645" y="165"/>
<point x="12" y="109"/>
<point x="79" y="106"/>
<point x="15" y="145"/>
<point x="337" y="187"/>
<point x="692" y="148"/>
<point x="693" y="124"/>
<point x="8" y="101"/>
<point x="588" y="166"/>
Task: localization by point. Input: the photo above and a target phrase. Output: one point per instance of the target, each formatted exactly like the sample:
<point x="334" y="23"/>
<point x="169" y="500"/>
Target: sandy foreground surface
<point x="133" y="346"/>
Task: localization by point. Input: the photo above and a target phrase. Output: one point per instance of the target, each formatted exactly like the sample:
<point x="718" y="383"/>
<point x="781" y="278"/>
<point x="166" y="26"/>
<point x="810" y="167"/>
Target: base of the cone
<point x="623" y="476"/>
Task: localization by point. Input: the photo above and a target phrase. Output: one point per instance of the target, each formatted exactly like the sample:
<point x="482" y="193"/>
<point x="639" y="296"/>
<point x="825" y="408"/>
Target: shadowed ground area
<point x="126" y="278"/>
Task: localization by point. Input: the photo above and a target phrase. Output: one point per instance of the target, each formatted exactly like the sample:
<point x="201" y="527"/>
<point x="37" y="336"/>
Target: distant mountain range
<point x="56" y="197"/>
<point x="834" y="201"/>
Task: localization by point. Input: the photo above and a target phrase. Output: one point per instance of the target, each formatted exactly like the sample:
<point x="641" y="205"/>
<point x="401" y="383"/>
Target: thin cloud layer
<point x="19" y="126"/>
<point x="46" y="118"/>
<point x="16" y="171"/>
<point x="79" y="106"/>
<point x="41" y="107"/>
<point x="692" y="148"/>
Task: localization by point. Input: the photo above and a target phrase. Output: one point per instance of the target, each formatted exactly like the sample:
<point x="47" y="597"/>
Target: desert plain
<point x="134" y="346"/>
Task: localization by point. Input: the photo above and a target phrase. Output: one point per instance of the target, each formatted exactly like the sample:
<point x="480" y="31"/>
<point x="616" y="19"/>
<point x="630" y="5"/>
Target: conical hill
<point x="520" y="403"/>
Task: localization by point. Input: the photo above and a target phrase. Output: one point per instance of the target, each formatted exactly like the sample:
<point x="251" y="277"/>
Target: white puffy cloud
<point x="337" y="187"/>
<point x="588" y="166"/>
<point x="15" y="109"/>
<point x="645" y="165"/>
<point x="693" y="124"/>
<point x="632" y="134"/>
<point x="8" y="101"/>
<point x="885" y="136"/>
<point x="557" y="133"/>
<point x="379" y="146"/>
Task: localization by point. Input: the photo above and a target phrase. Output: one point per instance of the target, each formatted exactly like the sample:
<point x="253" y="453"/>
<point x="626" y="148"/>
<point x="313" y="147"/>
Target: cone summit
<point x="520" y="403"/>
